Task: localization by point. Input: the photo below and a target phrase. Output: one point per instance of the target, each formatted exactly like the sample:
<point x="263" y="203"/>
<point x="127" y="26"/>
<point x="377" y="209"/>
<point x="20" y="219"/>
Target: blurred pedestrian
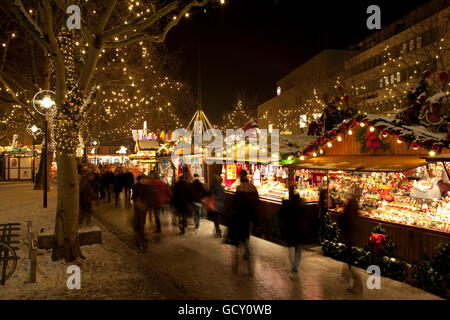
<point x="244" y="217"/>
<point x="182" y="196"/>
<point x="323" y="209"/>
<point x="349" y="224"/>
<point x="163" y="196"/>
<point x="108" y="182"/>
<point x="198" y="193"/>
<point x="144" y="198"/>
<point x="118" y="184"/>
<point x="96" y="185"/>
<point x="128" y="180"/>
<point x="218" y="196"/>
<point x="293" y="223"/>
<point x="87" y="195"/>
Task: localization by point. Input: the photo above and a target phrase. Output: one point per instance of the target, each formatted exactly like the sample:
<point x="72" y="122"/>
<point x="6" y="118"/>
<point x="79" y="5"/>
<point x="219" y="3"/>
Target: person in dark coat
<point x="128" y="180"/>
<point x="182" y="198"/>
<point x="244" y="217"/>
<point x="144" y="198"/>
<point x="218" y="196"/>
<point x="87" y="195"/>
<point x="293" y="226"/>
<point x="119" y="182"/>
<point x="349" y="223"/>
<point x="323" y="210"/>
<point x="108" y="182"/>
<point x="198" y="193"/>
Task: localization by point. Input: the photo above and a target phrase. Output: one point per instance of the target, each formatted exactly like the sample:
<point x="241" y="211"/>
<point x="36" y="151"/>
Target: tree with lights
<point x="243" y="110"/>
<point x="75" y="55"/>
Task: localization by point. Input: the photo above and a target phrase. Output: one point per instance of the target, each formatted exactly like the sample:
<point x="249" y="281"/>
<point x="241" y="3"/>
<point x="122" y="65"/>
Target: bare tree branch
<point x="24" y="20"/>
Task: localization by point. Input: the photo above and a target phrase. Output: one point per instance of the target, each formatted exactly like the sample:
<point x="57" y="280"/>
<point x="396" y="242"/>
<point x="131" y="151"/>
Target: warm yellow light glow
<point x="350" y="132"/>
<point x="302" y="158"/>
<point x="362" y="124"/>
<point x="399" y="141"/>
<point x="432" y="153"/>
<point x="339" y="138"/>
<point x="372" y="129"/>
<point x="314" y="154"/>
<point x="34" y="128"/>
<point x="329" y="145"/>
<point x="47" y="102"/>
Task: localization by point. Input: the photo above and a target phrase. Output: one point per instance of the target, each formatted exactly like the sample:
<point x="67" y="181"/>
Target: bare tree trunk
<point x="66" y="245"/>
<point x="39" y="182"/>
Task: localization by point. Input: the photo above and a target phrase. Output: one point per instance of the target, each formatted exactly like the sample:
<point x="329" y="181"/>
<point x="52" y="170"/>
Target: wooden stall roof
<point x="439" y="158"/>
<point x="147" y="145"/>
<point x="361" y="163"/>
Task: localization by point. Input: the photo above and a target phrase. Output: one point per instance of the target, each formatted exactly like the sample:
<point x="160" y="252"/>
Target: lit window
<point x="386" y="81"/>
<point x="399" y="76"/>
<point x="278" y="91"/>
<point x="419" y="42"/>
<point x="303" y="121"/>
<point x="411" y="45"/>
<point x="405" y="48"/>
<point x="392" y="78"/>
<point x="381" y="83"/>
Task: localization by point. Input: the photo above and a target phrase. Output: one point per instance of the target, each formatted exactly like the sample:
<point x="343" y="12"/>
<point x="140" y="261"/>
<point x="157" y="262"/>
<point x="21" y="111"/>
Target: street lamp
<point x="34" y="131"/>
<point x="43" y="99"/>
<point x="95" y="143"/>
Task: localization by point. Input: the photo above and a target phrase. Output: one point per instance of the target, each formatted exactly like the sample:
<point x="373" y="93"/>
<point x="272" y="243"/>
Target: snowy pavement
<point x="200" y="266"/>
<point x="190" y="266"/>
<point x="110" y="271"/>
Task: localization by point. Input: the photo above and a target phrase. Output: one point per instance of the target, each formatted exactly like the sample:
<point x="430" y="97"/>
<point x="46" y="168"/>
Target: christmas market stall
<point x="17" y="163"/>
<point x="272" y="181"/>
<point x="402" y="189"/>
<point x="107" y="155"/>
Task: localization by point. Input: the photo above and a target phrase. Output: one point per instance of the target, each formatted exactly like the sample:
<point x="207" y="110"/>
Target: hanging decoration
<point x="370" y="141"/>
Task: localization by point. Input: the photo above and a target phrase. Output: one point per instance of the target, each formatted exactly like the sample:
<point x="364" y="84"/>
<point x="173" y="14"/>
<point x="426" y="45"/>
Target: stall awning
<point x="361" y="163"/>
<point x="439" y="158"/>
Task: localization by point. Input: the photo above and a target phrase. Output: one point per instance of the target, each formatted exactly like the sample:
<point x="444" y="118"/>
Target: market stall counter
<point x="272" y="183"/>
<point x="404" y="191"/>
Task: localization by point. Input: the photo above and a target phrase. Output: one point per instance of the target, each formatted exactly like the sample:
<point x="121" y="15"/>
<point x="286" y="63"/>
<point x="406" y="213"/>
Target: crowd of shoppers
<point x="190" y="198"/>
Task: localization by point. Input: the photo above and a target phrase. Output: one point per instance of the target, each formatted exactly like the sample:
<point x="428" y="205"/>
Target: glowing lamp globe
<point x="47" y="103"/>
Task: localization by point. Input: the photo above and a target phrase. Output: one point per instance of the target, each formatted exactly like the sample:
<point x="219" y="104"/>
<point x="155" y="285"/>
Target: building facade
<point x="391" y="62"/>
<point x="298" y="94"/>
<point x="376" y="74"/>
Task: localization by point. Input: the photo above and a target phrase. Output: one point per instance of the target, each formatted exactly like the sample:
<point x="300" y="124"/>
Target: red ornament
<point x="427" y="74"/>
<point x="336" y="100"/>
<point x="346" y="98"/>
<point x="377" y="241"/>
<point x="443" y="76"/>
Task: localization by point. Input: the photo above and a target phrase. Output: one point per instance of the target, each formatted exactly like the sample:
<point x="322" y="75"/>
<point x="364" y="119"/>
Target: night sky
<point x="248" y="45"/>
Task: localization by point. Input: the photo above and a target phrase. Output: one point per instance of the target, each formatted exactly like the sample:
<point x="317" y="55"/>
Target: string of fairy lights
<point x="236" y="117"/>
<point x="406" y="65"/>
<point x="142" y="92"/>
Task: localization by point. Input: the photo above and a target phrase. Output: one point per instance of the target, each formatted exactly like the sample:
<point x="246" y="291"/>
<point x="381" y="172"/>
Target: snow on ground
<point x="110" y="270"/>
